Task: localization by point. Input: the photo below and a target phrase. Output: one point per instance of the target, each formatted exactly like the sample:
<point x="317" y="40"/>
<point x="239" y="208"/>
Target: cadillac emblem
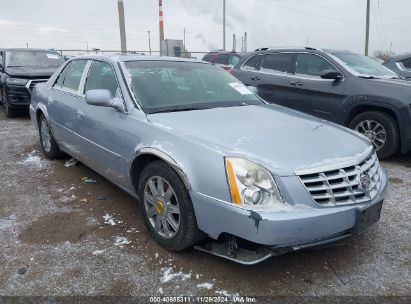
<point x="365" y="182"/>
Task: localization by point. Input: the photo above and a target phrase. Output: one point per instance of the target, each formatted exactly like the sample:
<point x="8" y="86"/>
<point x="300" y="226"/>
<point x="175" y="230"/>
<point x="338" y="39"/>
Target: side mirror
<point x="103" y="98"/>
<point x="253" y="89"/>
<point x="331" y="74"/>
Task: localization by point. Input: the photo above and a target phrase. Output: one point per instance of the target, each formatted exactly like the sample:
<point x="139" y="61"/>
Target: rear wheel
<point x="167" y="208"/>
<point x="49" y="146"/>
<point x="381" y="128"/>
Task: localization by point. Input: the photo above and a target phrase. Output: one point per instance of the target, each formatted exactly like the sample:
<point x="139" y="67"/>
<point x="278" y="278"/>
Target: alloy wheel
<point x="162" y="207"/>
<point x="45" y="135"/>
<point x="375" y="131"/>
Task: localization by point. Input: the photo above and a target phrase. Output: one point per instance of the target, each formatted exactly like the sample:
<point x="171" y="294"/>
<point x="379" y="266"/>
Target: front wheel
<point x="49" y="146"/>
<point x="381" y="128"/>
<point x="7" y="108"/>
<point x="167" y="208"/>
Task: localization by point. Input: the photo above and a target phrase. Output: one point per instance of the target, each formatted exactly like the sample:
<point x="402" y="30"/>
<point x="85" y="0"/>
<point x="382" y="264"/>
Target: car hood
<point x="278" y="138"/>
<point x="31" y="72"/>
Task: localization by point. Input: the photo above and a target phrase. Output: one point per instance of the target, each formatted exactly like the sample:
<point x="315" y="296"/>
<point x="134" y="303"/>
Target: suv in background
<point x="339" y="86"/>
<point x="401" y="65"/>
<point x="20" y="71"/>
<point x="224" y="59"/>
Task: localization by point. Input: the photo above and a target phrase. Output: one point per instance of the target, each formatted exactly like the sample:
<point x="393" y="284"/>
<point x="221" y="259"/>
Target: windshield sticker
<point x="52" y="56"/>
<point x="240" y="88"/>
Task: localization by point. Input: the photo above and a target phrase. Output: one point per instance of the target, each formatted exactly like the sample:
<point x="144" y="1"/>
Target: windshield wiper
<point x="368" y="77"/>
<point x="178" y="109"/>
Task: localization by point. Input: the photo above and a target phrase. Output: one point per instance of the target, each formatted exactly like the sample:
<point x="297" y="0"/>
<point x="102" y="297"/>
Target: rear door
<point x="312" y="94"/>
<point x="273" y="77"/>
<point x="102" y="130"/>
<point x="64" y="100"/>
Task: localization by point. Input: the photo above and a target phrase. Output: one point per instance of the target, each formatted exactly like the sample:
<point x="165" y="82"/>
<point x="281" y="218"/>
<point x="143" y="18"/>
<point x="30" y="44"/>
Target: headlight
<point x="251" y="186"/>
<point x="16" y="81"/>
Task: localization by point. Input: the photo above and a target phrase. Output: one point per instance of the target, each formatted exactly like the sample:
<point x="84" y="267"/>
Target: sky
<point x="337" y="24"/>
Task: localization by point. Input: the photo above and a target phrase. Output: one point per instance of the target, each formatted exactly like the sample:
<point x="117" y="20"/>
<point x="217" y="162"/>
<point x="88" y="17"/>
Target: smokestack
<point x="161" y="24"/>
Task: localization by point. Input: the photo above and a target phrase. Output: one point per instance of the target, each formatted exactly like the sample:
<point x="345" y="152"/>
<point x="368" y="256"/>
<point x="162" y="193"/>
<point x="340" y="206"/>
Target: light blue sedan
<point x="211" y="164"/>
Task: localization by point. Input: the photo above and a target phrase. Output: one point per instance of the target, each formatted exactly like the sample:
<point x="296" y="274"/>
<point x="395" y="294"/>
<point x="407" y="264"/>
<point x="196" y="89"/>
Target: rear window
<point x="252" y="63"/>
<point x="279" y="62"/>
<point x="222" y="59"/>
<point x="208" y="57"/>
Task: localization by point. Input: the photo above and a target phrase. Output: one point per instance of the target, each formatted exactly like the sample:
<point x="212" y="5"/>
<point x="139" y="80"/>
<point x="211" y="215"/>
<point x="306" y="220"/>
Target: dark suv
<point x="224" y="59"/>
<point x="401" y="65"/>
<point x="339" y="86"/>
<point x="20" y="71"/>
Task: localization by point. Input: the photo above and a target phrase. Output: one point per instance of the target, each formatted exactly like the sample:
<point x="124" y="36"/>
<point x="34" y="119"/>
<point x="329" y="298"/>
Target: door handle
<point x="79" y="114"/>
<point x="255" y="78"/>
<point x="296" y="83"/>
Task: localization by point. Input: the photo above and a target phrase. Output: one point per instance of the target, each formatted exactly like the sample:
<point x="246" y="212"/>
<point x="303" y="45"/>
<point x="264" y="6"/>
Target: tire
<point x="49" y="146"/>
<point x="7" y="108"/>
<point x="381" y="128"/>
<point x="156" y="209"/>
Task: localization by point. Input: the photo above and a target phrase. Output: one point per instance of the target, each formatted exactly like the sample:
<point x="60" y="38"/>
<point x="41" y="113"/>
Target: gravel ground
<point x="57" y="239"/>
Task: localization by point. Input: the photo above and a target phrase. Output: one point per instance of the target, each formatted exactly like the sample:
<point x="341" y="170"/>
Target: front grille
<point x="342" y="186"/>
<point x="31" y="83"/>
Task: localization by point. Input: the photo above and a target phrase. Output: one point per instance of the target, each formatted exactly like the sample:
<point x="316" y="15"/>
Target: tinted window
<point x="101" y="76"/>
<point x="406" y="63"/>
<point x="313" y="65"/>
<point x="252" y="63"/>
<point x="233" y="60"/>
<point x="73" y="74"/>
<point x="277" y="62"/>
<point x="207" y="57"/>
<point x="222" y="59"/>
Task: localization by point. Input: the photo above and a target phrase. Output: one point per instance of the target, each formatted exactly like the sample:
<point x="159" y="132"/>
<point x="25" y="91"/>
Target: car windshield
<point x="166" y="86"/>
<point x="363" y="66"/>
<point x="24" y="58"/>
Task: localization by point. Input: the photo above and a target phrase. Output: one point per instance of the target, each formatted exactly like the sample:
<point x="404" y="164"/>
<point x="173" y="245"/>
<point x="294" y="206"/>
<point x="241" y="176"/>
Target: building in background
<point x="174" y="48"/>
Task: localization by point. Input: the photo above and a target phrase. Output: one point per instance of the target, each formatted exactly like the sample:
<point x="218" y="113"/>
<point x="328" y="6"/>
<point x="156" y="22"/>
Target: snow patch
<point x="98" y="252"/>
<point x="34" y="161"/>
<point x="109" y="220"/>
<point x="205" y="285"/>
<point x="121" y="241"/>
<point x="168" y="275"/>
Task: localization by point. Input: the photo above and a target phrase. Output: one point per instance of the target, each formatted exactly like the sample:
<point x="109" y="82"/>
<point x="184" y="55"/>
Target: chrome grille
<point x="342" y="186"/>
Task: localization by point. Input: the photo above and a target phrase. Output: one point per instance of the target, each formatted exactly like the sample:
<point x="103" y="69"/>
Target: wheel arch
<point x="146" y="155"/>
<point x="361" y="108"/>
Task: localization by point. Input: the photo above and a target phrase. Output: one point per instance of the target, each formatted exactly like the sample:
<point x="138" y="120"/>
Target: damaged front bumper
<point x="283" y="231"/>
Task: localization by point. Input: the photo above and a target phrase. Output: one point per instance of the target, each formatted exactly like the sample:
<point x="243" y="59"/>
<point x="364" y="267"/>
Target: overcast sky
<point x="68" y="24"/>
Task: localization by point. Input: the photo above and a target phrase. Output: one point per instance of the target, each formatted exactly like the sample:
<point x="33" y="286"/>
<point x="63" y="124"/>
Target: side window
<point x="1" y="58"/>
<point x="406" y="63"/>
<point x="73" y="75"/>
<point x="312" y="65"/>
<point x="279" y="62"/>
<point x="207" y="57"/>
<point x="233" y="60"/>
<point x="101" y="76"/>
<point x="60" y="78"/>
<point x="252" y="63"/>
<point x="222" y="59"/>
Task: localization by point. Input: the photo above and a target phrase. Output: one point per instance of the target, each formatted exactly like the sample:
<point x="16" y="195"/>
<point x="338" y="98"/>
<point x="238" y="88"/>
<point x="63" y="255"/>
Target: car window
<point x="233" y="60"/>
<point x="101" y="76"/>
<point x="312" y="65"/>
<point x="279" y="62"/>
<point x="73" y="75"/>
<point x="208" y="57"/>
<point x="60" y="78"/>
<point x="252" y="63"/>
<point x="406" y="63"/>
<point x="222" y="59"/>
<point x="1" y="58"/>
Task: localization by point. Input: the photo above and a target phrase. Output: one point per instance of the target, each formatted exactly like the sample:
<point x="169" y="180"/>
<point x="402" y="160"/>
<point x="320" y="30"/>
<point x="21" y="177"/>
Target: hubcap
<point x="45" y="135"/>
<point x="374" y="131"/>
<point x="162" y="207"/>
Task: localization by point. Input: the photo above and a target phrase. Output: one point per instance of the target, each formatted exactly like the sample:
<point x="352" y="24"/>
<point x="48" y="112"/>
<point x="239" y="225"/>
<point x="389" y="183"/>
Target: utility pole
<point x="224" y="25"/>
<point x="27" y="45"/>
<point x="122" y="25"/>
<point x="149" y="41"/>
<point x="184" y="38"/>
<point x="161" y="25"/>
<point x="245" y="42"/>
<point x="87" y="45"/>
<point x="367" y="28"/>
<point x="234" y="43"/>
<point x="242" y="44"/>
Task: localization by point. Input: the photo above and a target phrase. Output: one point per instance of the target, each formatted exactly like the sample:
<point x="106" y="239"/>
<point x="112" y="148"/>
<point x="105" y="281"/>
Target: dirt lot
<point x="54" y="243"/>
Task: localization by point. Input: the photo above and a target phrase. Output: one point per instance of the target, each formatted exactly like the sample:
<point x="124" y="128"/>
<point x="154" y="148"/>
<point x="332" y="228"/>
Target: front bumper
<point x="300" y="228"/>
<point x="18" y="95"/>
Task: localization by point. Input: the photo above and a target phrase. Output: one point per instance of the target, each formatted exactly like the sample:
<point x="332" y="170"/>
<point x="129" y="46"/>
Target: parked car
<point x="401" y="65"/>
<point x="339" y="86"/>
<point x="224" y="59"/>
<point x="20" y="71"/>
<point x="205" y="156"/>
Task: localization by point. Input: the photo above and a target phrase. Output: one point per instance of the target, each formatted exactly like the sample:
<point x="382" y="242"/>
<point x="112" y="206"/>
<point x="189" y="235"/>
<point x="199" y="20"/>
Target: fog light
<point x="252" y="195"/>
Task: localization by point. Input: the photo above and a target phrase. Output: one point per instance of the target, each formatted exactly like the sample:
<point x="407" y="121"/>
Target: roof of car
<point x="118" y="57"/>
<point x="28" y="49"/>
